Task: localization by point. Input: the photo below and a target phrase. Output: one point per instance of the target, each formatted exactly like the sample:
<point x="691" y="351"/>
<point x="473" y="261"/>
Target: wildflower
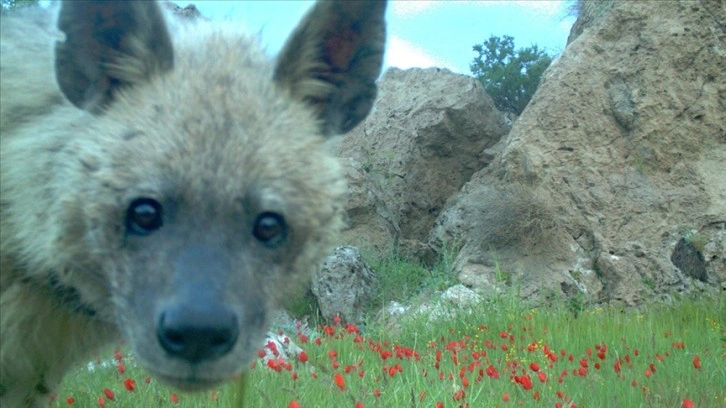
<point x="303" y="357"/>
<point x="272" y="364"/>
<point x="505" y="397"/>
<point x="525" y="380"/>
<point x="358" y="404"/>
<point x="130" y="384"/>
<point x="687" y="403"/>
<point x="174" y="398"/>
<point x="121" y="368"/>
<point x="339" y="380"/>
<point x="459" y="395"/>
<point x="542" y="376"/>
<point x="70" y="400"/>
<point x="534" y="367"/>
<point x="273" y="348"/>
<point x="697" y="362"/>
<point x="392" y="371"/>
<point x="293" y="404"/>
<point x="101" y="402"/>
<point x="109" y="394"/>
<point x="439" y="404"/>
<point x="376" y="393"/>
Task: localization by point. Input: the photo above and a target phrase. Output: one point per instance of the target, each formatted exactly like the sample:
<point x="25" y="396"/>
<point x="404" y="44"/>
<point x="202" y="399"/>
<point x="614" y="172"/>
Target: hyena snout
<point x="198" y="322"/>
<point x="195" y="333"/>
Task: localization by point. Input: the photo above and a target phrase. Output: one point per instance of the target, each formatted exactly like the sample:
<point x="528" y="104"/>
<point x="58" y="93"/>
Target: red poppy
<point x="339" y="380"/>
<point x="130" y="384"/>
<point x="109" y="394"/>
<point x="459" y="395"/>
<point x="697" y="362"/>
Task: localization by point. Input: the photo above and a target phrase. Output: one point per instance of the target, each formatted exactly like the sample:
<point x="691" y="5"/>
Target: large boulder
<point x="428" y="133"/>
<point x="344" y="285"/>
<point x="612" y="183"/>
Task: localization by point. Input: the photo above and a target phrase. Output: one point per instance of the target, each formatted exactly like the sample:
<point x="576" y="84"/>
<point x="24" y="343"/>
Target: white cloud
<point x="407" y="8"/>
<point x="404" y="54"/>
<point x="539" y="7"/>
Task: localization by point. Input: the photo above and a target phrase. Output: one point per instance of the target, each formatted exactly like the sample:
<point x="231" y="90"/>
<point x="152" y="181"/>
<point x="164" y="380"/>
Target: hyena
<point x="167" y="187"/>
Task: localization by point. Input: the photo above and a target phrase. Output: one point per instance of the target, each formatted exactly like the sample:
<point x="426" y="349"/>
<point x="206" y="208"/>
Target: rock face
<point x="611" y="186"/>
<point x="344" y="285"/>
<point x="612" y="183"/>
<point x="428" y="133"/>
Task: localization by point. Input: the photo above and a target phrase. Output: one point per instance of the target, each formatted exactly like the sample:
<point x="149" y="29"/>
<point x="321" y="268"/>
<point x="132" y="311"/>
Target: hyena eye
<point x="143" y="216"/>
<point x="270" y="228"/>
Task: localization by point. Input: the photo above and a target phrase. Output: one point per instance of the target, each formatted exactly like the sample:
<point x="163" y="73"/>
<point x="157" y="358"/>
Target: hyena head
<point x="204" y="189"/>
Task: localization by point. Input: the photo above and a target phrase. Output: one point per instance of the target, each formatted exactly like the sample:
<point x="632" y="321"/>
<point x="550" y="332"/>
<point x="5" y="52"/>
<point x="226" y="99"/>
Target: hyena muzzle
<point x="169" y="185"/>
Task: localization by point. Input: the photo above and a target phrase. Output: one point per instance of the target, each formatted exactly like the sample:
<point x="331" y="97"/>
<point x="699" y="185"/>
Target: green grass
<point x="482" y="353"/>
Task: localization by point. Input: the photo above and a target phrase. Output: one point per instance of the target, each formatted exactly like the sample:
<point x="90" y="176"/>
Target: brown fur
<point x="240" y="199"/>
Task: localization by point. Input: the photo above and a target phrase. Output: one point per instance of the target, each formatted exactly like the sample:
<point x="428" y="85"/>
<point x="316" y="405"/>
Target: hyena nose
<point x="197" y="335"/>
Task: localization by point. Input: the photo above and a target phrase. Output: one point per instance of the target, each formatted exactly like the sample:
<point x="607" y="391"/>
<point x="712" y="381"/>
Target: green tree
<point x="510" y="77"/>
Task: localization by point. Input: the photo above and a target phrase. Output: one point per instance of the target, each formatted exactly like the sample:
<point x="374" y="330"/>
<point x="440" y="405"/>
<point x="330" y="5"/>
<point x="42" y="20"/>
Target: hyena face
<point x="197" y="191"/>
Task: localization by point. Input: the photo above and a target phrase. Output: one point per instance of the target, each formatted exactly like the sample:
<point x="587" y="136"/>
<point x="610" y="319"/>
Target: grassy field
<point x="502" y="354"/>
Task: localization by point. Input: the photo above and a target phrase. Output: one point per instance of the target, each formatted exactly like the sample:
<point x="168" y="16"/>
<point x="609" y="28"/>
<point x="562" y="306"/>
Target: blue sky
<point x="420" y="33"/>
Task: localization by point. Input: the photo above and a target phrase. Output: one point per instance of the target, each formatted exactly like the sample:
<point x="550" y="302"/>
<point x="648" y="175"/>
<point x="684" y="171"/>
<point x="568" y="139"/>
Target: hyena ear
<point x="333" y="59"/>
<point x="109" y="45"/>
